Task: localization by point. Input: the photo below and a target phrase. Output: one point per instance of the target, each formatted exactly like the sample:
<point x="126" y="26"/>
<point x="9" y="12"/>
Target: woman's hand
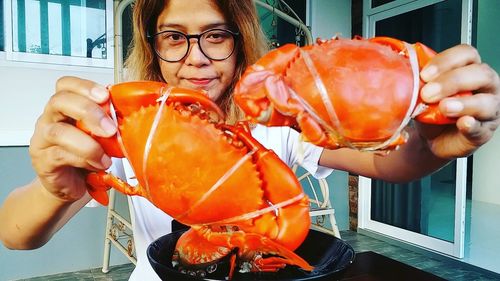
<point x="455" y="70"/>
<point x="60" y="151"/>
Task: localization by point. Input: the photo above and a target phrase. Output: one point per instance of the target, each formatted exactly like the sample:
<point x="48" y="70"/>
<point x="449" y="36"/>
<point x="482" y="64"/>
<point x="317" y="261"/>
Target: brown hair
<point x="142" y="63"/>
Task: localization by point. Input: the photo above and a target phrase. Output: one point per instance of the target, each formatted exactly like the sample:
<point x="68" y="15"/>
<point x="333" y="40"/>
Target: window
<point x="74" y="32"/>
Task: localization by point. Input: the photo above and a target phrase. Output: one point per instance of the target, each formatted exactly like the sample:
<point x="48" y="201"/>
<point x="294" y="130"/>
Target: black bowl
<point x="329" y="255"/>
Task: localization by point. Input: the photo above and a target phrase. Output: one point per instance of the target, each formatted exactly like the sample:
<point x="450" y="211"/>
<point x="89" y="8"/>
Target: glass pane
<point x="126" y="30"/>
<point x="70" y="28"/>
<point x="438" y="26"/>
<point x="278" y="31"/>
<point x="425" y="206"/>
<point x="376" y="3"/>
<point x="2" y="40"/>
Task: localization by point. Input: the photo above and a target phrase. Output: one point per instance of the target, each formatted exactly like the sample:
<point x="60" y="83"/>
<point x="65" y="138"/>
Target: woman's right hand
<point x="60" y="152"/>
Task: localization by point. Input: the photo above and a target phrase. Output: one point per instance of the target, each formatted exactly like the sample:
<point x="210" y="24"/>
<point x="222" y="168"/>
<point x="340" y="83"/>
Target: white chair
<point x="118" y="229"/>
<point x="321" y="209"/>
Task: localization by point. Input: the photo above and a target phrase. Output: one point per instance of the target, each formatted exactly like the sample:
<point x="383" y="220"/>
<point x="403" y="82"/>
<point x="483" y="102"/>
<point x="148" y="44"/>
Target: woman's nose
<point x="195" y="56"/>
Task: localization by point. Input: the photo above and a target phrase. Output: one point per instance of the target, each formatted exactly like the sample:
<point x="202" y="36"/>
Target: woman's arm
<point x="30" y="216"/>
<point x="412" y="161"/>
<point x="59" y="153"/>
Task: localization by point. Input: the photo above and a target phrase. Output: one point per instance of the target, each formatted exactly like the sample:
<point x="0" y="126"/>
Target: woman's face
<point x="196" y="71"/>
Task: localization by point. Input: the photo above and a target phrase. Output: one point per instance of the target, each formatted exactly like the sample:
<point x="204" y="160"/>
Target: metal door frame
<point x="456" y="248"/>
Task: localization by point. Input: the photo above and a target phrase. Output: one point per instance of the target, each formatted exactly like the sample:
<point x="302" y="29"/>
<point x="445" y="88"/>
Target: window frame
<point x="2" y="27"/>
<point x="366" y="224"/>
<point x="11" y="55"/>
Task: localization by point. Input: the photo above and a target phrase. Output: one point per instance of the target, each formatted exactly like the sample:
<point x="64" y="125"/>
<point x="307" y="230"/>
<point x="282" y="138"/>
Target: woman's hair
<point x="142" y="63"/>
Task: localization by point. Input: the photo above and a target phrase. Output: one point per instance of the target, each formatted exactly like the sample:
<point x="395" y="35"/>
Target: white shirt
<point x="150" y="223"/>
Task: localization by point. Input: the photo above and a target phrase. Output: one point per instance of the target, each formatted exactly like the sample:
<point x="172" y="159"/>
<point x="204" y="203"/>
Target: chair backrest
<point x="321" y="209"/>
<point x="319" y="193"/>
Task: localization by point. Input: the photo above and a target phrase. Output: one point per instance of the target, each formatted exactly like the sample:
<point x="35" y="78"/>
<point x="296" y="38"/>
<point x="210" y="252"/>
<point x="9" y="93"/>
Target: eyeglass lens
<point x="216" y="44"/>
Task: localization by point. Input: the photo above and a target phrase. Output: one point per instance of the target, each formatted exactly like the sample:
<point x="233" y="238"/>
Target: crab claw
<point x="128" y="97"/>
<point x="252" y="93"/>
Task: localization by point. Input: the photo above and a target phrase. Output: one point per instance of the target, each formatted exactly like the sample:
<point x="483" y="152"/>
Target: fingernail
<point x="469" y="122"/>
<point x="108" y="126"/>
<point x="106" y="161"/>
<point x="103" y="164"/>
<point x="96" y="164"/>
<point x="428" y="73"/>
<point x="430" y="92"/>
<point x="99" y="93"/>
<point x="453" y="107"/>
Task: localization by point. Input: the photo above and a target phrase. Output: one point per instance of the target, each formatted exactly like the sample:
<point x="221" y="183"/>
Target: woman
<point x="59" y="151"/>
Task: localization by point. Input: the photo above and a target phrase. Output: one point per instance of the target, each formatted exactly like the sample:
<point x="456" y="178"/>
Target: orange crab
<point x="214" y="177"/>
<point x="341" y="93"/>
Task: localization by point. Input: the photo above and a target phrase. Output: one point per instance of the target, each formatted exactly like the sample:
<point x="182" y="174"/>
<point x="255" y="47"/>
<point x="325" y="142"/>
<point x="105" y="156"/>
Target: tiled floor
<point x="445" y="268"/>
<point x="116" y="273"/>
<point x="441" y="266"/>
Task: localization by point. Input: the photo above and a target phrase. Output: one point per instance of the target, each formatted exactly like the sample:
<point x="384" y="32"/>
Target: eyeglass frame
<point x="234" y="34"/>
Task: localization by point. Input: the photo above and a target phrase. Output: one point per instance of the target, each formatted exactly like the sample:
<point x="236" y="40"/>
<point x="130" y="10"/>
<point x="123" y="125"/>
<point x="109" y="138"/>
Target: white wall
<point x="77" y="246"/>
<point x="485" y="179"/>
<point x="26" y="88"/>
<point x="329" y="18"/>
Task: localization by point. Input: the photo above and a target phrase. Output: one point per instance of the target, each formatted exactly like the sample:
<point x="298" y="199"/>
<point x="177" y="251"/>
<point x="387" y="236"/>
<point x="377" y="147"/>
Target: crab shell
<point x="340" y="93"/>
<point x="178" y="155"/>
<point x="205" y="174"/>
<point x="369" y="87"/>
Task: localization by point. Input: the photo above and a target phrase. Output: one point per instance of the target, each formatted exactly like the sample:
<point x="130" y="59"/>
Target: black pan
<point x="329" y="255"/>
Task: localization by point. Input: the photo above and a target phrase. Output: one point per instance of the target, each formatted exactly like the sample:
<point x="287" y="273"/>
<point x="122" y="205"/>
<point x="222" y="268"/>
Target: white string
<point x="219" y="182"/>
<point x="411" y="112"/>
<point x="246" y="216"/>
<point x="259" y="212"/>
<point x="310" y="110"/>
<point x="321" y="89"/>
<point x="416" y="82"/>
<point x="326" y="102"/>
<point x="164" y="93"/>
<point x="112" y="112"/>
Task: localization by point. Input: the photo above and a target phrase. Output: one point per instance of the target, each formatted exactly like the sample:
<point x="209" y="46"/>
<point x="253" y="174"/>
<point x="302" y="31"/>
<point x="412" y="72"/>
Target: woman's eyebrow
<point x="215" y="25"/>
<point x="170" y="26"/>
<point x="183" y="27"/>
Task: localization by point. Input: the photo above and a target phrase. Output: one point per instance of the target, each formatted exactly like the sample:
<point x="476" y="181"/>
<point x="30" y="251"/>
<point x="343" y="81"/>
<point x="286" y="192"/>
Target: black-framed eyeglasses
<point x="215" y="44"/>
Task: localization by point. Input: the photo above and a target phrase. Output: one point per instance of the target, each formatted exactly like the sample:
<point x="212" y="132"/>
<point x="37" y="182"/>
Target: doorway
<point x="429" y="212"/>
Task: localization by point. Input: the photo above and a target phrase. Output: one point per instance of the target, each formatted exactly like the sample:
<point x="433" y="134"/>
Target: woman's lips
<point x="200" y="81"/>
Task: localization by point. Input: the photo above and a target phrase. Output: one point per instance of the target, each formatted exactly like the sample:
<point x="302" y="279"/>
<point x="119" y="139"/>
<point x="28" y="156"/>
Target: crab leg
<point x="100" y="182"/>
<point x="253" y="89"/>
<point x="208" y="243"/>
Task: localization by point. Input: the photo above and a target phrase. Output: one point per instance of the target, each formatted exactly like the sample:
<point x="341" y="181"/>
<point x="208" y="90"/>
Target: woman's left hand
<point x="455" y="70"/>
